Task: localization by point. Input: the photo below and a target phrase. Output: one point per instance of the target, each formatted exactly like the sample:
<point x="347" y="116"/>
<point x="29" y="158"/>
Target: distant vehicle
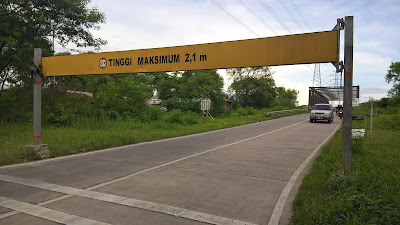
<point x="340" y="113"/>
<point x="321" y="112"/>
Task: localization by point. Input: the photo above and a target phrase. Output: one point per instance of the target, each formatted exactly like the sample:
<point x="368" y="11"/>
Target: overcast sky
<point x="134" y="24"/>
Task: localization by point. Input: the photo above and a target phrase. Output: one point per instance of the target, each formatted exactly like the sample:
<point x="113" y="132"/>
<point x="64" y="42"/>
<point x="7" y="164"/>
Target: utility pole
<point x="37" y="145"/>
<point x="372" y="114"/>
<point x="37" y="97"/>
<point x="348" y="98"/>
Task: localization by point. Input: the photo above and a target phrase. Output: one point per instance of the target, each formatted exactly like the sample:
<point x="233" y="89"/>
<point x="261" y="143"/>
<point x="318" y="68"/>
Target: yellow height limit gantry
<point x="317" y="47"/>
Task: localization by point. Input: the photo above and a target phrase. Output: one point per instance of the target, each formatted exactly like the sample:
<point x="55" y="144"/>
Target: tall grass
<point x="369" y="195"/>
<point x="88" y="134"/>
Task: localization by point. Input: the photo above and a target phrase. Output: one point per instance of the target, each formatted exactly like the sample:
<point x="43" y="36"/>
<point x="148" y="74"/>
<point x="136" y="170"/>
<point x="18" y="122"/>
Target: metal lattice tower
<point x="337" y="85"/>
<point x="317" y="76"/>
<point x="335" y="80"/>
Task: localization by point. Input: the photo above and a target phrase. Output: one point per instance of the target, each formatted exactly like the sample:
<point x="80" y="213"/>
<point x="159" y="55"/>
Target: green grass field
<point x="369" y="195"/>
<point x="89" y="135"/>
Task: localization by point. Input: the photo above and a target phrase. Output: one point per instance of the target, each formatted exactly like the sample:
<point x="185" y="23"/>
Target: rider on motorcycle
<point x="339" y="111"/>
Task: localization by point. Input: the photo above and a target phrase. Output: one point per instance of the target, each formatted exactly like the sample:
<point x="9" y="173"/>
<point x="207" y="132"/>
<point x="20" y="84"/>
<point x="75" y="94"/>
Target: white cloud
<point x="367" y="61"/>
<point x="375" y="93"/>
<point x="298" y="77"/>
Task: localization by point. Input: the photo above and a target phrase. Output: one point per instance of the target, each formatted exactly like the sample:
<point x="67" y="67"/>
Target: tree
<point x="83" y="82"/>
<point x="202" y="84"/>
<point x="123" y="97"/>
<point x="29" y="24"/>
<point x="393" y="75"/>
<point x="286" y="97"/>
<point x="253" y="86"/>
<point x="185" y="90"/>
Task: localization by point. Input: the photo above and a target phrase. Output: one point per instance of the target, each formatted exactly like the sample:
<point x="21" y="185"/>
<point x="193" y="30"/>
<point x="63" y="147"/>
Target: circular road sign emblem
<point x="103" y="63"/>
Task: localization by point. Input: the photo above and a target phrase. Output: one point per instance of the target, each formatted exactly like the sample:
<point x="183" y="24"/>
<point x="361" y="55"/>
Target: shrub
<point x="190" y="118"/>
<point x="175" y="116"/>
<point x="16" y="104"/>
<point x="58" y="116"/>
<point x="113" y="115"/>
<point x="154" y="113"/>
<point x="245" y="111"/>
<point x="390" y="122"/>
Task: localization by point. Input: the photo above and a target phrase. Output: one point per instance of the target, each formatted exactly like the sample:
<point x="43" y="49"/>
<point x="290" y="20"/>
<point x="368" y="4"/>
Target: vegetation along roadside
<point x="84" y="113"/>
<point x="92" y="134"/>
<point x="371" y="193"/>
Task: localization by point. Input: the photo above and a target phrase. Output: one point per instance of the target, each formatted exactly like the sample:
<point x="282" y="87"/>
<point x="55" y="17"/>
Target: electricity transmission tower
<point x="317" y="75"/>
<point x="335" y="80"/>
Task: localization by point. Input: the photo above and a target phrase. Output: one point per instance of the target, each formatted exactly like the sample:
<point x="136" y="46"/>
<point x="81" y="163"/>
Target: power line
<point x="328" y="70"/>
<point x="271" y="12"/>
<point x="325" y="67"/>
<point x="233" y="17"/>
<point x="291" y="15"/>
<point x="260" y="19"/>
<point x="317" y="69"/>
<point x="301" y="14"/>
<point x="274" y="15"/>
<point x="298" y="24"/>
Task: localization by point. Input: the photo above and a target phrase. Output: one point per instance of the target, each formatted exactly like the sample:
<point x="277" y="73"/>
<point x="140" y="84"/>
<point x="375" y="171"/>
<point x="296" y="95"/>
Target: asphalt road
<point x="242" y="175"/>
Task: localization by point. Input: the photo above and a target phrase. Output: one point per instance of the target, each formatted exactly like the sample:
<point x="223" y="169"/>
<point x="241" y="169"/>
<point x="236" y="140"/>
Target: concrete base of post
<point x="39" y="149"/>
<point x="343" y="171"/>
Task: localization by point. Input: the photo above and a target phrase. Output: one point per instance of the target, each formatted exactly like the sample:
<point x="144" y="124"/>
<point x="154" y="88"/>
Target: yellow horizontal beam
<point x="318" y="47"/>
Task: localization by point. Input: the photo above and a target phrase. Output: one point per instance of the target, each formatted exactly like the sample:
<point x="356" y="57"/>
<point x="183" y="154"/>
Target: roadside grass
<point x="89" y="134"/>
<point x="369" y="195"/>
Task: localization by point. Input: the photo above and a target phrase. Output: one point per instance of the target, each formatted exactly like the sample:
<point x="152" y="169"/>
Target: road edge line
<point x="148" y="169"/>
<point x="129" y="145"/>
<point x="280" y="204"/>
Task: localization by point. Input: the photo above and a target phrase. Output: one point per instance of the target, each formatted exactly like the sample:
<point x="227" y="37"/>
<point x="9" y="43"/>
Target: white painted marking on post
<point x="150" y="206"/>
<point x="47" y="214"/>
<point x="276" y="215"/>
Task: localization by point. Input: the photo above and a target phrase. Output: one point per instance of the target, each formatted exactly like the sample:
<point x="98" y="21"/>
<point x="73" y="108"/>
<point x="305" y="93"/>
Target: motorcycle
<point x="340" y="114"/>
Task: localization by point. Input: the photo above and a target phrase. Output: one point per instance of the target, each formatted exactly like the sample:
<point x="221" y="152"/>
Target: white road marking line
<point x="12" y="213"/>
<point x="187" y="157"/>
<point x="48" y="214"/>
<point x="276" y="215"/>
<point x="150" y="206"/>
<point x="189" y="214"/>
<point x="54" y="200"/>
<point x="125" y="146"/>
<point x="5" y="215"/>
